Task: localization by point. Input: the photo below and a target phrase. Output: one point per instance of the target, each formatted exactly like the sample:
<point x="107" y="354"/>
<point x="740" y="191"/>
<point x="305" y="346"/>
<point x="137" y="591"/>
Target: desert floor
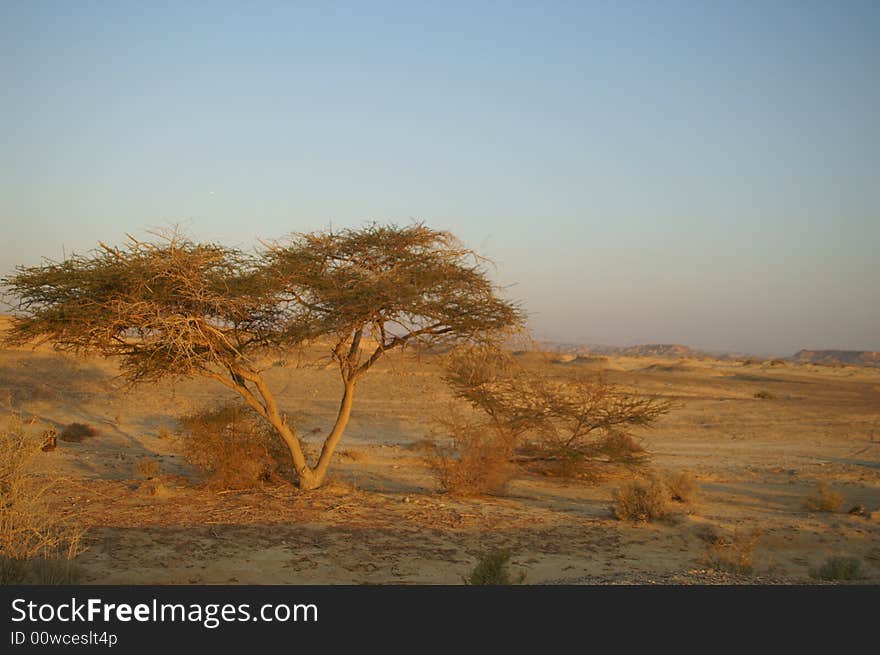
<point x="382" y="520"/>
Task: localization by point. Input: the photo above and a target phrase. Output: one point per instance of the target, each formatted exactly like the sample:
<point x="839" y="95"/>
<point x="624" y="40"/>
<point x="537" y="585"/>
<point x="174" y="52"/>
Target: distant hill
<point x="838" y="357"/>
<point x="665" y="350"/>
<point x="672" y="351"/>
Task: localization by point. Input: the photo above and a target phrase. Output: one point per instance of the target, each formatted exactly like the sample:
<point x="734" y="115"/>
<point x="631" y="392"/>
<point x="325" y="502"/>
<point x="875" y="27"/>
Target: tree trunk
<point x="269" y="411"/>
<point x="305" y="475"/>
<point x="320" y="471"/>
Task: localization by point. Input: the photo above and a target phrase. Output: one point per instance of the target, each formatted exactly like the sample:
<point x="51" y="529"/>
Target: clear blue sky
<point x="696" y="172"/>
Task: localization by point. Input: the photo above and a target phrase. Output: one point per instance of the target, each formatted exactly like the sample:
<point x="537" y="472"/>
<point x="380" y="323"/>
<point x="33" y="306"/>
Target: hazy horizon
<point x="705" y="174"/>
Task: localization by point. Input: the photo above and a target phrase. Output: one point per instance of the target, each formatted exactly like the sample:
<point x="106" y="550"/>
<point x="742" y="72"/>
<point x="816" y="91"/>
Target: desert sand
<point x="382" y="519"/>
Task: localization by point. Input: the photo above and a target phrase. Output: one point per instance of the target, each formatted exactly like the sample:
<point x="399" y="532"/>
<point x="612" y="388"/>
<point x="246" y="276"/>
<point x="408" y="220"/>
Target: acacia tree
<point x="384" y="286"/>
<point x="173" y="307"/>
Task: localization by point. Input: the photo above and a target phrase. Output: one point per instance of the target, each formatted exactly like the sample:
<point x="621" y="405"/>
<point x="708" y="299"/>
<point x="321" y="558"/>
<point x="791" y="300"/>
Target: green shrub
<point x="39" y="571"/>
<point x="77" y="432"/>
<point x="839" y="568"/>
<point x="492" y="569"/>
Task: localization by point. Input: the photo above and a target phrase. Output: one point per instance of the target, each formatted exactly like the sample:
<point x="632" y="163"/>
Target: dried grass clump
<point x="492" y="569"/>
<point x="148" y="468"/>
<point x="232" y="448"/>
<point x="682" y="486"/>
<point x="77" y="432"/>
<point x="36" y="547"/>
<point x="764" y="395"/>
<point x="735" y="554"/>
<point x="641" y="501"/>
<point x="824" y="500"/>
<point x="477" y="462"/>
<point x="839" y="568"/>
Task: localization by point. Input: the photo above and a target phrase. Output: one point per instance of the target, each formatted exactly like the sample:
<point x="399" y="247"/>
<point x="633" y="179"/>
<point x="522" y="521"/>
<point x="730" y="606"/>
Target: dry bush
<point x="641" y="501"/>
<point x="148" y="467"/>
<point x="35" y="545"/>
<point x="764" y="395"/>
<point x="569" y="423"/>
<point x="682" y="486"/>
<point x="477" y="462"/>
<point x="232" y="448"/>
<point x="839" y="568"/>
<point x="491" y="569"/>
<point x="824" y="500"/>
<point x="77" y="432"/>
<point x="735" y="554"/>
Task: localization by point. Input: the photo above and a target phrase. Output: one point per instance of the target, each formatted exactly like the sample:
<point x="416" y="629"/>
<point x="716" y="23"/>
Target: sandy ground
<point x="382" y="520"/>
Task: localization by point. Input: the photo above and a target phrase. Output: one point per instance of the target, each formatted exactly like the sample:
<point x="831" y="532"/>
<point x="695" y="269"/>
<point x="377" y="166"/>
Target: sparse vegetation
<point x="77" y="432"/>
<point x="492" y="569"/>
<point x="36" y="545"/>
<point x="825" y="499"/>
<point x="232" y="447"/>
<point x="839" y="568"/>
<point x="641" y="501"/>
<point x="735" y="554"/>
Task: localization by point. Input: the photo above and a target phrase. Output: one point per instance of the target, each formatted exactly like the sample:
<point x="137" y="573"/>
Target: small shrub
<point x="641" y="501"/>
<point x="825" y="499"/>
<point x="148" y="467"/>
<point x="77" y="432"/>
<point x="733" y="555"/>
<point x="232" y="447"/>
<point x="682" y="487"/>
<point x="839" y="568"/>
<point x="478" y="461"/>
<point x="764" y="395"/>
<point x="491" y="569"/>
